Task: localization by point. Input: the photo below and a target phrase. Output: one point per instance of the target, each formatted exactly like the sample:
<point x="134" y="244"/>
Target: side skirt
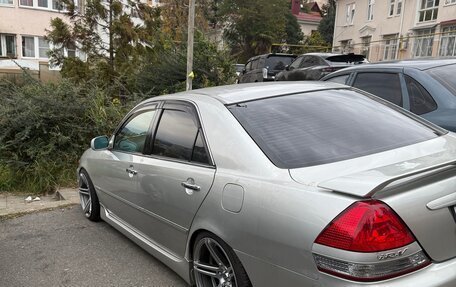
<point x="179" y="265"/>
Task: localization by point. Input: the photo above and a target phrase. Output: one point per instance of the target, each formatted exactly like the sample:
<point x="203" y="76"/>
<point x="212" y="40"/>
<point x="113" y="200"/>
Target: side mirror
<point x="100" y="142"/>
<point x="287" y="67"/>
<point x="243" y="71"/>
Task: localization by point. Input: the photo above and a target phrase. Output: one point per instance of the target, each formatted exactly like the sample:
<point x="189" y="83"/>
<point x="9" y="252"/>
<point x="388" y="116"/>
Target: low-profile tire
<point x="215" y="264"/>
<point x="88" y="197"/>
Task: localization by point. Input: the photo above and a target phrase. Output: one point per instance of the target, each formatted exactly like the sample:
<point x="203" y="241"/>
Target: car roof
<point x="271" y="54"/>
<point x="419" y="64"/>
<point x="237" y="93"/>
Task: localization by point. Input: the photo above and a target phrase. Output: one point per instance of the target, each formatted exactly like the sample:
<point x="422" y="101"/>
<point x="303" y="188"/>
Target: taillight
<point x="368" y="242"/>
<point x="329" y="70"/>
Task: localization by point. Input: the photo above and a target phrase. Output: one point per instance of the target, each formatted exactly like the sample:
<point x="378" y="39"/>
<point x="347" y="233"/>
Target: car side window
<point x="132" y="136"/>
<point x="383" y="85"/>
<point x="339" y="79"/>
<point x="248" y="66"/>
<point x="179" y="137"/>
<point x="421" y="101"/>
<point x="306" y="62"/>
<point x="295" y="63"/>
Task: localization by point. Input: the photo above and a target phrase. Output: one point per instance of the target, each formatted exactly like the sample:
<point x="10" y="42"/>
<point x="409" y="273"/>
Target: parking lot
<point x="62" y="248"/>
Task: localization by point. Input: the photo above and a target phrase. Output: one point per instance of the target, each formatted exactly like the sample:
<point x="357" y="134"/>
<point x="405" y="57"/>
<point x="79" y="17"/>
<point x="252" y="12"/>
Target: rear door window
<point x="179" y="137"/>
<point x="321" y="127"/>
<point x="421" y="101"/>
<point x="384" y="85"/>
<point x="275" y="62"/>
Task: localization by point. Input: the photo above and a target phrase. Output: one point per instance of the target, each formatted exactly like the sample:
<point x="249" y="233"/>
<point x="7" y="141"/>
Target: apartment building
<point x="23" y="25"/>
<point x="396" y="29"/>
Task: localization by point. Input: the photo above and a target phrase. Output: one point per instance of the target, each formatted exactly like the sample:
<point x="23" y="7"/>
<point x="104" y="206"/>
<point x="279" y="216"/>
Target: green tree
<point x="166" y="68"/>
<point x="109" y="37"/>
<point x="326" y="27"/>
<point x="251" y="27"/>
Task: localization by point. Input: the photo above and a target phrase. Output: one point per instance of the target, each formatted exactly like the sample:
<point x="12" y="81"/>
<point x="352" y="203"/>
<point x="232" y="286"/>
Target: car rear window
<point x="445" y="75"/>
<point x="278" y="62"/>
<point x="325" y="126"/>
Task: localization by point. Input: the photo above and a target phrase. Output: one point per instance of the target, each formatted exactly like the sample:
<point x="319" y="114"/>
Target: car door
<point x="175" y="177"/>
<point x="117" y="176"/>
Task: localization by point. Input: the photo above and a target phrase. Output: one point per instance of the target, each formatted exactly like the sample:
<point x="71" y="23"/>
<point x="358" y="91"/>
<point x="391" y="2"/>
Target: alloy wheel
<point x="84" y="195"/>
<point x="211" y="265"/>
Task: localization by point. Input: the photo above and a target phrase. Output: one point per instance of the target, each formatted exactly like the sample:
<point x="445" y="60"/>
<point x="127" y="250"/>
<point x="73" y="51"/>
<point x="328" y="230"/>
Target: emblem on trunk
<point x="390" y="255"/>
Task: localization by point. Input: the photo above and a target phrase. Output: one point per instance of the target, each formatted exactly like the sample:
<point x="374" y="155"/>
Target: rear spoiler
<point x="369" y="182"/>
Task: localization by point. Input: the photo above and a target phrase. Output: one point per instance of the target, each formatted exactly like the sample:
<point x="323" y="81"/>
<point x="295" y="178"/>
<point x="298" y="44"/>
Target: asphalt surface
<point x="62" y="248"/>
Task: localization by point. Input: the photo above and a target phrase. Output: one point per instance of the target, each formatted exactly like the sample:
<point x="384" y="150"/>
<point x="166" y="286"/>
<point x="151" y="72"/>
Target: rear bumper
<point x="265" y="274"/>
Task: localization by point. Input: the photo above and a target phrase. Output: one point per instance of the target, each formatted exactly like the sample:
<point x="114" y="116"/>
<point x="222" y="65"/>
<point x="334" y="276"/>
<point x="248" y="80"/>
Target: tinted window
<point x="306" y="62"/>
<point x="445" y="75"/>
<point x="176" y="137"/>
<point x="296" y="63"/>
<point x="383" y="85"/>
<point x="132" y="136"/>
<point x="199" y="151"/>
<point x="339" y="79"/>
<point x="278" y="62"/>
<point x="421" y="101"/>
<point x="325" y="126"/>
<point x="248" y="67"/>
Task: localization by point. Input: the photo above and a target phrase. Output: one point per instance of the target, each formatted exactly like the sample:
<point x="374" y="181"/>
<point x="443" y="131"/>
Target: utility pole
<point x="191" y="31"/>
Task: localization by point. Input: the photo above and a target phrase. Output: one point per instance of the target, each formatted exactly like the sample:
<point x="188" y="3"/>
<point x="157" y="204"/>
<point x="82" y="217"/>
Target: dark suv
<point x="263" y="68"/>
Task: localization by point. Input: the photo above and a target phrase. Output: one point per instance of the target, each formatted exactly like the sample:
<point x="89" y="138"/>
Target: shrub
<point x="46" y="127"/>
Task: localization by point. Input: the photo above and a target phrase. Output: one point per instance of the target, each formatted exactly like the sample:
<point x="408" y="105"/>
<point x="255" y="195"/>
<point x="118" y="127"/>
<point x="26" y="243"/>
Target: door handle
<point x="190" y="186"/>
<point x="131" y="171"/>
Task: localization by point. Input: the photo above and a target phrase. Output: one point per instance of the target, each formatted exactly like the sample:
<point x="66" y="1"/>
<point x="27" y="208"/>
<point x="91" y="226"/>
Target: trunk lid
<point x="417" y="181"/>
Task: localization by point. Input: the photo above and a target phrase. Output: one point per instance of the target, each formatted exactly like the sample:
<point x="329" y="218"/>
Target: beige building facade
<point x="396" y="29"/>
<point x="23" y="24"/>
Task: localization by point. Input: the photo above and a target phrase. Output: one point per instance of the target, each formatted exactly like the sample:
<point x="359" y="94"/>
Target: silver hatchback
<point x="280" y="184"/>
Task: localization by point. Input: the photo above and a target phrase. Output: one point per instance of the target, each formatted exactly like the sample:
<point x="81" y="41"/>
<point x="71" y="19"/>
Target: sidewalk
<point x="13" y="205"/>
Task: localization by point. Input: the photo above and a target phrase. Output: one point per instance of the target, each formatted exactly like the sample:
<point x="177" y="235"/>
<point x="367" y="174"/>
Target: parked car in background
<point x="424" y="87"/>
<point x="314" y="66"/>
<point x="263" y="68"/>
<point x="238" y="68"/>
<point x="280" y="184"/>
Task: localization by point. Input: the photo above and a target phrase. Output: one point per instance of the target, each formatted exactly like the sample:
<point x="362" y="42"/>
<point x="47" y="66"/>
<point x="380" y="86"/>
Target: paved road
<point x="62" y="248"/>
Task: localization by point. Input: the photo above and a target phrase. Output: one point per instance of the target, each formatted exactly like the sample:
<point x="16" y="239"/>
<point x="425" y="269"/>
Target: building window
<point x="391" y="8"/>
<point x="389" y="52"/>
<point x="28" y="47"/>
<point x="448" y="2"/>
<point x="365" y="48"/>
<point x="422" y="46"/>
<point x="350" y="16"/>
<point x="370" y="10"/>
<point x="43" y="47"/>
<point x="6" y="2"/>
<point x="448" y="42"/>
<point x="7" y="46"/>
<point x="43" y="3"/>
<point x="399" y="7"/>
<point x="394" y="7"/>
<point x="428" y="10"/>
<point x="26" y="3"/>
<point x="57" y="5"/>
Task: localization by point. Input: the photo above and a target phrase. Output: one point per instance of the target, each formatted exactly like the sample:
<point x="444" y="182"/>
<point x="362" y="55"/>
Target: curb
<point x="12" y="206"/>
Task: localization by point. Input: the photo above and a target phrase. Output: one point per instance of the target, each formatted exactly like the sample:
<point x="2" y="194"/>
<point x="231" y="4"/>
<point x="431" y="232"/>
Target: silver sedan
<point x="280" y="184"/>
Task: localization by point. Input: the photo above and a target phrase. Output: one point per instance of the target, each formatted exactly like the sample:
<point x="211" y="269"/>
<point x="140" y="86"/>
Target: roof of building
<point x="309" y="17"/>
